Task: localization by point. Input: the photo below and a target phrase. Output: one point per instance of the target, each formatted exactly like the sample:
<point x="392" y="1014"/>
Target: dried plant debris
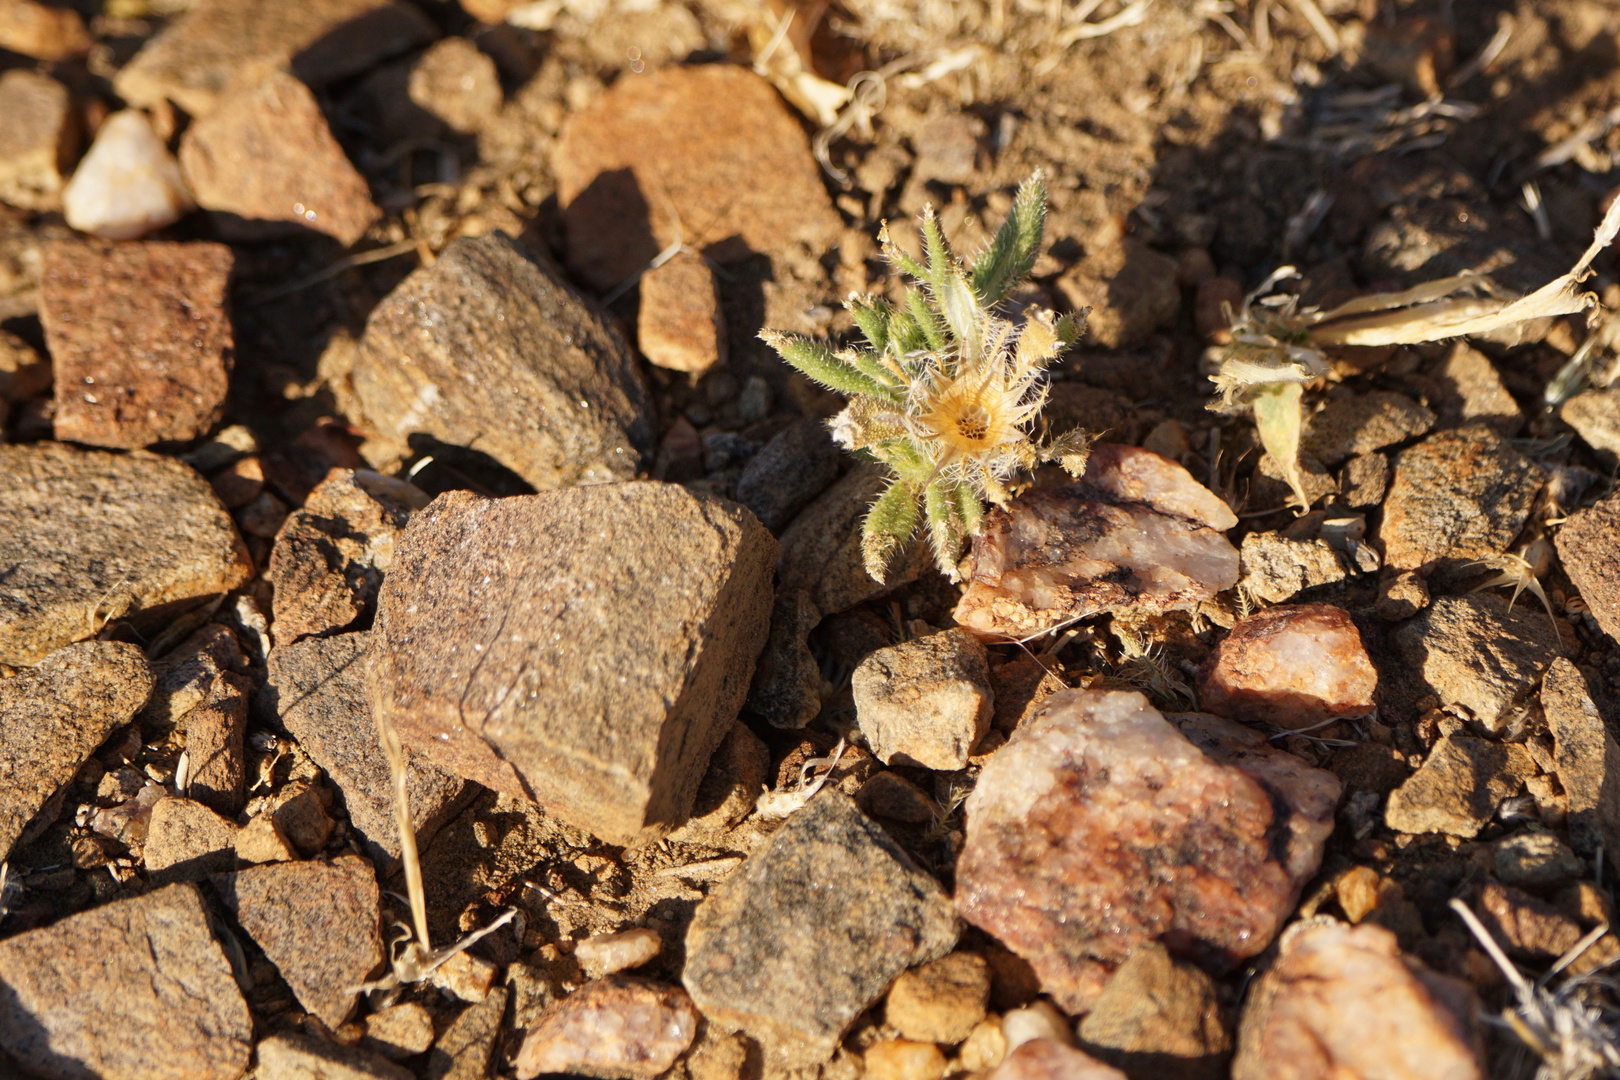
<point x="945" y="391"/>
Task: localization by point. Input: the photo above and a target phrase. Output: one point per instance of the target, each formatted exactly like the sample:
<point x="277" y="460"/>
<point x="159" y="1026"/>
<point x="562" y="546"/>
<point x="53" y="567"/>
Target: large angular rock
<point x="1587" y="759"/>
<point x="220" y="44"/>
<point x="927" y="701"/>
<point x="38" y="140"/>
<point x="266" y="159"/>
<point x="489" y="351"/>
<point x="1343" y="1001"/>
<point x="140" y="338"/>
<point x="1472" y="651"/>
<point x="92" y="537"/>
<point x="811" y="930"/>
<point x="318" y="689"/>
<point x="644" y="164"/>
<point x="133" y="990"/>
<point x="1457" y="496"/>
<point x="317" y="922"/>
<point x="588" y="648"/>
<point x="1589" y="547"/>
<point x="618" y="1028"/>
<point x="1100" y="826"/>
<point x="1135" y="532"/>
<point x="1294" y="666"/>
<point x="1459" y="786"/>
<point x="55" y="715"/>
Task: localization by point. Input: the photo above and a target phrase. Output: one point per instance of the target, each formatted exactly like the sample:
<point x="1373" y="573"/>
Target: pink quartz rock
<point x="619" y="1026"/>
<point x="1294" y="666"/>
<point x="1342" y="1001"/>
<point x="1102" y="825"/>
<point x="1048" y="1059"/>
<point x="1136" y="531"/>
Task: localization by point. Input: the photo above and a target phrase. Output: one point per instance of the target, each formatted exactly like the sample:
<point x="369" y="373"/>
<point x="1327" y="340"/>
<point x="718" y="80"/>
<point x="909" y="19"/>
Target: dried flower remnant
<point x="945" y="390"/>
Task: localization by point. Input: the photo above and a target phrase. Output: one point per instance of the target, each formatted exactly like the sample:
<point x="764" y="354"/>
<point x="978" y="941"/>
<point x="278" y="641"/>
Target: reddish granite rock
<point x="1589" y="547"/>
<point x="1100" y="826"/>
<point x="1137" y="531"/>
<point x="1344" y="1002"/>
<point x="37" y="141"/>
<point x="1293" y="666"/>
<point x="1524" y="925"/>
<point x="141" y="339"/>
<point x="617" y="1027"/>
<point x="267" y="159"/>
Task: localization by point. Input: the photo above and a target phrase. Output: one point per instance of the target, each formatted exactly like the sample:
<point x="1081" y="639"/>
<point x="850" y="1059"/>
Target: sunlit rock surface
<point x="128" y="184"/>
<point x="1294" y="666"/>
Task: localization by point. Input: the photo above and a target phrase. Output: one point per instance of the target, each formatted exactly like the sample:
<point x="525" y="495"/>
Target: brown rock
<point x="799" y="463"/>
<point x="93" y="537"/>
<point x="1466" y="389"/>
<point x="679" y="325"/>
<point x="39" y="139"/>
<point x="1294" y="666"/>
<point x="463" y="1051"/>
<point x="1047" y="1059"/>
<point x="41" y="32"/>
<point x="644" y="161"/>
<point x="318" y="689"/>
<point x="456" y="83"/>
<point x="612" y="632"/>
<point x="1020" y="687"/>
<point x="1524" y="925"/>
<point x="1099" y="826"/>
<point x="1589" y="548"/>
<point x="821" y="548"/>
<point x="1595" y="415"/>
<point x="616" y="1028"/>
<point x="902" y="1059"/>
<point x="317" y="922"/>
<point x="140" y="338"/>
<point x="787" y="679"/>
<point x="130" y="990"/>
<point x="488" y="350"/>
<point x="400" y="1031"/>
<point x="811" y="930"/>
<point x="1131" y="290"/>
<point x="1362" y="424"/>
<point x="214" y="738"/>
<point x="266" y="158"/>
<point x="56" y="714"/>
<point x="221" y="45"/>
<point x="301" y="1057"/>
<point x="300" y="815"/>
<point x="1458" y="787"/>
<point x="1457" y="496"/>
<point x="925" y="702"/>
<point x="1472" y="651"/>
<point x="1275" y="568"/>
<point x="1344" y="1001"/>
<point x="1159" y="1017"/>
<point x="1587" y="759"/>
<point x="23" y="372"/>
<point x="1401" y="596"/>
<point x="941" y="1001"/>
<point x="185" y="676"/>
<point x="1136" y="532"/>
<point x="1364" y="480"/>
<point x="1535" y="859"/>
<point x="239" y="483"/>
<point x="261" y="841"/>
<point x="186" y="841"/>
<point x="608" y="954"/>
<point x="890" y="795"/>
<point x="1216" y="297"/>
<point x="330" y="556"/>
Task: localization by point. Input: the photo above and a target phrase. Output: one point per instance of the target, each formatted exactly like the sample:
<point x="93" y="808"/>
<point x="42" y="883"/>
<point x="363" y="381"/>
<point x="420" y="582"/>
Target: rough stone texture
<point x="330" y="556"/>
<point x="799" y="463"/>
<point x="317" y="922"/>
<point x="487" y="350"/>
<point x="941" y="1001"/>
<point x="38" y="140"/>
<point x="463" y="1051"/>
<point x="1047" y="1059"/>
<point x="1343" y="1001"/>
<point x="186" y="841"/>
<point x="1293" y="666"/>
<point x="214" y="745"/>
<point x="1159" y="1017"/>
<point x="42" y="32"/>
<point x="1472" y="651"/>
<point x="890" y="795"/>
<point x="318" y="690"/>
<point x="618" y="1027"/>
<point x="730" y="787"/>
<point x="128" y="184"/>
<point x="1364" y="480"/>
<point x="1466" y="389"/>
<point x="786" y="689"/>
<point x="400" y="1031"/>
<point x="679" y="324"/>
<point x="1586" y="757"/>
<point x="185" y="676"/>
<point x="137" y="989"/>
<point x="811" y="930"/>
<point x="266" y="158"/>
<point x="1589" y="549"/>
<point x="1595" y="416"/>
<point x="1524" y="925"/>
<point x="219" y="45"/>
<point x="1276" y="568"/>
<point x="454" y="81"/>
<point x="1100" y="826"/>
<point x="1359" y="425"/>
<point x="927" y="701"/>
<point x="302" y="1057"/>
<point x="1136" y="532"/>
<point x="648" y="147"/>
<point x="1459" y="786"/>
<point x="821" y="549"/>
<point x="1020" y="687"/>
<point x="93" y="537"/>
<point x="1536" y="859"/>
<point x="140" y="337"/>
<point x="55" y="715"/>
<point x="588" y="648"/>
<point x="1457" y="496"/>
<point x="1131" y="291"/>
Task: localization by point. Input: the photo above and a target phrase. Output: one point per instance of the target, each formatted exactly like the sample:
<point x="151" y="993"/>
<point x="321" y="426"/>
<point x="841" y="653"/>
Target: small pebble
<point x="128" y="184"/>
<point x="400" y="1030"/>
<point x="1038" y="1020"/>
<point x="605" y="954"/>
<point x="902" y="1059"/>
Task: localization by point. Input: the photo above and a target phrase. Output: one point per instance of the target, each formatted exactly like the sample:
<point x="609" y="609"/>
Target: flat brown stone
<point x="140" y="338"/>
<point x="588" y="648"/>
<point x="37" y="141"/>
<point x="1589" y="547"/>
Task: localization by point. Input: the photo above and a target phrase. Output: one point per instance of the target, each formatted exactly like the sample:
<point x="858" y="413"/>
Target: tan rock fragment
<point x="37" y="141"/>
<point x="679" y="325"/>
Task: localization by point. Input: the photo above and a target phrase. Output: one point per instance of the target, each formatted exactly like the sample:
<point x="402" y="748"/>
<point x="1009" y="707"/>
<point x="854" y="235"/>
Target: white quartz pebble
<point x="128" y="184"/>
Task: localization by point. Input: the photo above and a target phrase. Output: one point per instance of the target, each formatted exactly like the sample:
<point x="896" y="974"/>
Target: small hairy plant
<point x="944" y="391"/>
